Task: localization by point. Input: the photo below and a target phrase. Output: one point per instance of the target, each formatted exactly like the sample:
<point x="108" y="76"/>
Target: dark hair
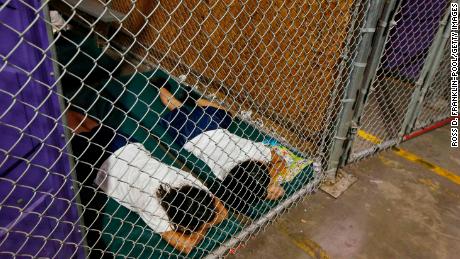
<point x="245" y="185"/>
<point x="161" y="82"/>
<point x="187" y="207"/>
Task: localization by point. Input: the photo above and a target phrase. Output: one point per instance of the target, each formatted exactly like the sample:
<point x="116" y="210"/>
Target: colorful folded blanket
<point x="294" y="164"/>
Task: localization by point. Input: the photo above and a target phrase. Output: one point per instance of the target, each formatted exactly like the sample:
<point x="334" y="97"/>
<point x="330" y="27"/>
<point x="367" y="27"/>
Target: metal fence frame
<point x="438" y="82"/>
<point x="429" y="70"/>
<point x="364" y="44"/>
<point x="442" y="40"/>
<point x="431" y="65"/>
<point x="347" y="127"/>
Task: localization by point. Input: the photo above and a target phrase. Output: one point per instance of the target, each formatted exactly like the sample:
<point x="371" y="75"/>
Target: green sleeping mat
<point x="128" y="236"/>
<point x="142" y="104"/>
<point x="135" y="95"/>
<point x="124" y="232"/>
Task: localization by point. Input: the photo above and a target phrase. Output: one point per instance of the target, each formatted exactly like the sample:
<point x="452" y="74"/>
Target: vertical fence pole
<point x="323" y="156"/>
<point x="386" y="22"/>
<point x="444" y="30"/>
<point x="417" y="96"/>
<point x="354" y="84"/>
<point x="383" y="28"/>
<point x="82" y="252"/>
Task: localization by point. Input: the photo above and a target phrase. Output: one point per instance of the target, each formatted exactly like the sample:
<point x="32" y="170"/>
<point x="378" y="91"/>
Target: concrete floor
<point x="397" y="209"/>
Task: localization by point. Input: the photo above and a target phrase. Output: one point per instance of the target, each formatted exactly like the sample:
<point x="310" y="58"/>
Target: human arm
<point x="185" y="243"/>
<point x="182" y="242"/>
<point x="169" y="100"/>
<point x="203" y="103"/>
<point x="221" y="213"/>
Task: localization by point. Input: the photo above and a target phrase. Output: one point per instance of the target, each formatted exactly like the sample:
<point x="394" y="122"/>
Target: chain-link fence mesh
<point x="176" y="128"/>
<point x="398" y="75"/>
<point x="436" y="102"/>
<point x="186" y="120"/>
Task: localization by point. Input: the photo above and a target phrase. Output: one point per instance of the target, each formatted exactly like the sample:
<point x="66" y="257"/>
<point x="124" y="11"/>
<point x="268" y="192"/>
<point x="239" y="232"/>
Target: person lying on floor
<point x="245" y="167"/>
<point x="170" y="201"/>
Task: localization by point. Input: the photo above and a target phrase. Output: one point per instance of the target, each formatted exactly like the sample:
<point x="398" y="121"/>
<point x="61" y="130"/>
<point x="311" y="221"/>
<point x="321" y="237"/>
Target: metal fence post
<point x="438" y="51"/>
<point x="352" y="88"/>
<point x="384" y="25"/>
<point x="323" y="159"/>
<point x="426" y="75"/>
<point x="67" y="133"/>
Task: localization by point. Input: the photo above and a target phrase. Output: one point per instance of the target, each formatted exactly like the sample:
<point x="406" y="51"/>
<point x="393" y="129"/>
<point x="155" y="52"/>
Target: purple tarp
<point x="38" y="215"/>
<point x="412" y="36"/>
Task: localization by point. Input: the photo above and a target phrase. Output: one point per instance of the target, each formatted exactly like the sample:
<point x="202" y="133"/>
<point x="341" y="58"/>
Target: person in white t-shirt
<point x="245" y="167"/>
<point x="170" y="201"/>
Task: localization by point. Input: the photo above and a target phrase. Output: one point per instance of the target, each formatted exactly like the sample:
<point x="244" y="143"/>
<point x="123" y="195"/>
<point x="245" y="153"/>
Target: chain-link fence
<point x="436" y="102"/>
<point x="400" y="75"/>
<point x="156" y="129"/>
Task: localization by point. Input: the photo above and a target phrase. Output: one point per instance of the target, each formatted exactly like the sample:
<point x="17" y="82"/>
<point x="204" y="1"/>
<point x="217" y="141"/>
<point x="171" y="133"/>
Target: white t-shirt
<point x="222" y="150"/>
<point x="133" y="177"/>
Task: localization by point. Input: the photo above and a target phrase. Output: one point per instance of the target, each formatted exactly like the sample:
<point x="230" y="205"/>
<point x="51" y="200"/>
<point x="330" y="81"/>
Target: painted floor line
<point x="309" y="246"/>
<point x="413" y="158"/>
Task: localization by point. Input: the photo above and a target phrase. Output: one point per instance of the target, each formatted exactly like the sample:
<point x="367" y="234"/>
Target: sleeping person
<point x="170" y="201"/>
<point x="246" y="168"/>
